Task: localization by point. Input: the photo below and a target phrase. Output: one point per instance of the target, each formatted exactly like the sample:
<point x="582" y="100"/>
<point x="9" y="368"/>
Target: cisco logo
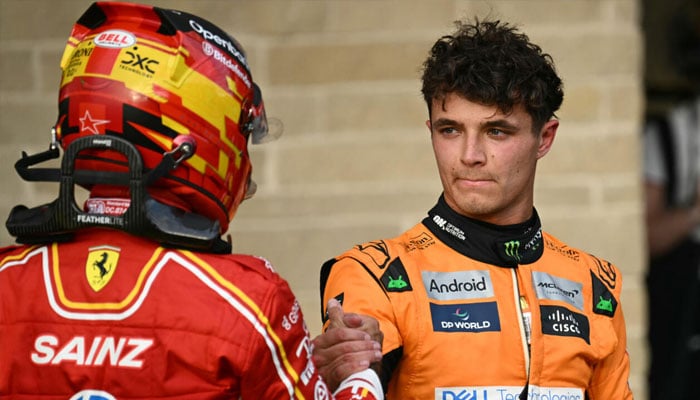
<point x="560" y="321"/>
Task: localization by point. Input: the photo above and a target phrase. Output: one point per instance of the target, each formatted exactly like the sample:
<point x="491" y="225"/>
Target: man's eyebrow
<point x="500" y="123"/>
<point x="495" y="123"/>
<point x="440" y="122"/>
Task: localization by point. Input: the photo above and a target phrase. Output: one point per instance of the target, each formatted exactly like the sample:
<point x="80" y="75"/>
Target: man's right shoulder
<point x="378" y="255"/>
<point x="374" y="255"/>
<point x="381" y="259"/>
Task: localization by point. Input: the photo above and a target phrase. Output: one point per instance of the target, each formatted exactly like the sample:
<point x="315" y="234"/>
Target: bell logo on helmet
<point x="115" y="39"/>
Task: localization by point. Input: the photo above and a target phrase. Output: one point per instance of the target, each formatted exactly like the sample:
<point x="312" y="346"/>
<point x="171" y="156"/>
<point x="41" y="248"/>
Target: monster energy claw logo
<point x="512" y="249"/>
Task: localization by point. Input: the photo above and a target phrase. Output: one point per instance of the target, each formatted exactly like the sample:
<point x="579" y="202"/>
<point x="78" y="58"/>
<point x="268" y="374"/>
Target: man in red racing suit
<point x="136" y="295"/>
<point x="111" y="316"/>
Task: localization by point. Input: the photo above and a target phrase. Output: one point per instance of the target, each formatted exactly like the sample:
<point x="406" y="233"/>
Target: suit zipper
<point x="521" y="324"/>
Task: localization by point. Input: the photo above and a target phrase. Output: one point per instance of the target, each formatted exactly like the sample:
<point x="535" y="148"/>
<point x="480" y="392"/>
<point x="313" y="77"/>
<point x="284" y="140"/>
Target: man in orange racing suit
<point x="136" y="295"/>
<point x="476" y="301"/>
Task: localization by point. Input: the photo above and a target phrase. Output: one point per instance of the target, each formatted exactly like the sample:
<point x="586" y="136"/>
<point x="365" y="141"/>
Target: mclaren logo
<point x="100" y="265"/>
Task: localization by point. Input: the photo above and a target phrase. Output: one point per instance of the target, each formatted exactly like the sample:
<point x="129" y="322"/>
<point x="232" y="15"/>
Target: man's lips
<point x="473" y="182"/>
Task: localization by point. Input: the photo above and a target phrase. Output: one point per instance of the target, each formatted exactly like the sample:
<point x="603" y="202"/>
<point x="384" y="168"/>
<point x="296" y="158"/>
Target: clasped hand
<point x="351" y="343"/>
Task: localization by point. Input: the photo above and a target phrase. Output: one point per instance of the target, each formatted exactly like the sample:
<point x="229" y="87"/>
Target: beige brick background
<point x="355" y="161"/>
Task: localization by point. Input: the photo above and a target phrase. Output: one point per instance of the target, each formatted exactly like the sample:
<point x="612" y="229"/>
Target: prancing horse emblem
<point x="100" y="265"/>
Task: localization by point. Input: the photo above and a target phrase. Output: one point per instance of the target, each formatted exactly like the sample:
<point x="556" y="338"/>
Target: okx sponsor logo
<point x="467" y="317"/>
<point x="458" y="285"/>
<point x="560" y="321"/>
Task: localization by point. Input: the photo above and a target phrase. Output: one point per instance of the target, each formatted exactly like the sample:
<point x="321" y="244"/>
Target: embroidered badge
<point x="395" y="278"/>
<point x="100" y="265"/>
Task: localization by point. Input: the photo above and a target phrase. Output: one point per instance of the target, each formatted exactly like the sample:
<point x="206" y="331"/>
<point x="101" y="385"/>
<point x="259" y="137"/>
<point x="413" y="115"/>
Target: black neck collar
<point x="500" y="245"/>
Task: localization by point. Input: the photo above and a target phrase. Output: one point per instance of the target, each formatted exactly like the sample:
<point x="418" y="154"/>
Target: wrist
<point x="364" y="380"/>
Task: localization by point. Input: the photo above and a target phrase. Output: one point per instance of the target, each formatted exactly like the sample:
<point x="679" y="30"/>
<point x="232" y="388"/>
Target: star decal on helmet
<point x="87" y="123"/>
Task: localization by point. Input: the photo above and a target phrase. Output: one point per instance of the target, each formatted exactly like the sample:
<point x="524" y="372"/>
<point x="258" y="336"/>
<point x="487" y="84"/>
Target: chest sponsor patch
<point x="458" y="285"/>
<point x="506" y="393"/>
<point x="468" y="317"/>
<point x="555" y="288"/>
<point x="560" y="321"/>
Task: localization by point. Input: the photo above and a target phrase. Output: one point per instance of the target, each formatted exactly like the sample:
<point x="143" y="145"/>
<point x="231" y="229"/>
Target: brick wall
<point x="355" y="162"/>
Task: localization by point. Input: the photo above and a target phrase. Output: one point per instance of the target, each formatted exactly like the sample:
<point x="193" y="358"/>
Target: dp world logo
<point x="461" y="315"/>
<point x="512" y="249"/>
<point x="465" y="317"/>
<point x="92" y="395"/>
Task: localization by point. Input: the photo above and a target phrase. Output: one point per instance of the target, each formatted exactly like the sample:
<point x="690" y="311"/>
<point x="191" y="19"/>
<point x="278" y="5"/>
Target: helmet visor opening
<point x="254" y="122"/>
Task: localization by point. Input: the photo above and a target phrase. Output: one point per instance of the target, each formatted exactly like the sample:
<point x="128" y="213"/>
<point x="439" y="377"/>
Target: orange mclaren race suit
<point x="474" y="311"/>
<point x="112" y="316"/>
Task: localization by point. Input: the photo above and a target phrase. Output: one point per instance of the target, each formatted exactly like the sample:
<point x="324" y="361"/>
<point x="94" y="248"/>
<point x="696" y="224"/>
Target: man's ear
<point x="429" y="125"/>
<point x="547" y="135"/>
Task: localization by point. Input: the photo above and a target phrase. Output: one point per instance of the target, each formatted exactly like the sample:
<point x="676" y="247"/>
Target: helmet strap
<point x="146" y="217"/>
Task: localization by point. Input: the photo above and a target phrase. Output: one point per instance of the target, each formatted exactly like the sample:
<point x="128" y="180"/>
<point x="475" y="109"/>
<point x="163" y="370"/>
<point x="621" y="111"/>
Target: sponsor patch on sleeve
<point x="604" y="302"/>
<point x="395" y="278"/>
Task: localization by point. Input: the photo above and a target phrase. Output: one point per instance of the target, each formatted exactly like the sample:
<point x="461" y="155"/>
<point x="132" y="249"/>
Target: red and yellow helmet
<point x="157" y="78"/>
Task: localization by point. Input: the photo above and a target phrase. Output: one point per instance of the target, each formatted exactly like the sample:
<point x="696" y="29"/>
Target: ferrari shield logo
<point x="100" y="266"/>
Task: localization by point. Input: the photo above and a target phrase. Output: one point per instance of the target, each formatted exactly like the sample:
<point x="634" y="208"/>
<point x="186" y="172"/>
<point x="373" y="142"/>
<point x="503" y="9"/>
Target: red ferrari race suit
<point x="475" y="311"/>
<point x="112" y="316"/>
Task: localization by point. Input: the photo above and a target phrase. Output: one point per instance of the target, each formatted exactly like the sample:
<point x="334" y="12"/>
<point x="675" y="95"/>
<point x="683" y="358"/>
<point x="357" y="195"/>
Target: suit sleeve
<point x="610" y="375"/>
<point x="353" y="283"/>
<point x="280" y="364"/>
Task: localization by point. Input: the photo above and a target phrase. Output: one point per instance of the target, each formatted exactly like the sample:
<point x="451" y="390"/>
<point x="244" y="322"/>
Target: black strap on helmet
<point x="146" y="217"/>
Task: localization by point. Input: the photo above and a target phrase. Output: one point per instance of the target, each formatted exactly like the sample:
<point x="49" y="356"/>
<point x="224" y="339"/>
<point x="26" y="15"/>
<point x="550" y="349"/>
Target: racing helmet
<point x="169" y="84"/>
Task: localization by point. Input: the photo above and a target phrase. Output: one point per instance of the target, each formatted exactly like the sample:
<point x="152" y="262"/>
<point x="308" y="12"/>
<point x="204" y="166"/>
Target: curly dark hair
<point x="491" y="63"/>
